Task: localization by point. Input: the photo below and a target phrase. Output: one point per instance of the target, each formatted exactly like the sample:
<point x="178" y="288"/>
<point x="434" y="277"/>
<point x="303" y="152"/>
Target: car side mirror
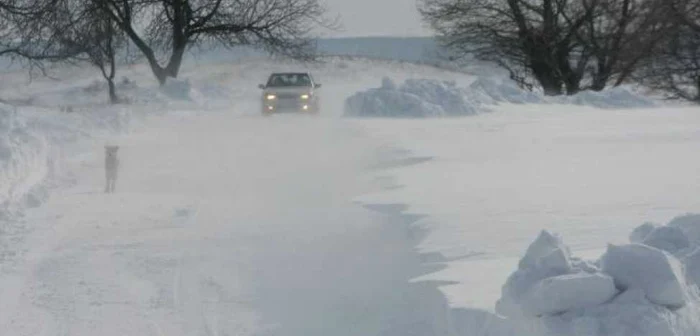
<point x="317" y="85"/>
<point x="261" y="86"/>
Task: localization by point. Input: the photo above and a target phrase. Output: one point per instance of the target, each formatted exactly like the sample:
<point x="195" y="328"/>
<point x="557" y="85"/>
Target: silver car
<point x="290" y="92"/>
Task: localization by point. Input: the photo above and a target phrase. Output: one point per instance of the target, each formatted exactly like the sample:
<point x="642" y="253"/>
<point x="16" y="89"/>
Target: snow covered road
<point x="224" y="225"/>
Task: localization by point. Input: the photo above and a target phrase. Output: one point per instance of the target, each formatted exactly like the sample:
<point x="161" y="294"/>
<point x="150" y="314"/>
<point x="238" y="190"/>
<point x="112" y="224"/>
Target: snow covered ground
<point x="228" y="223"/>
<point x="490" y="183"/>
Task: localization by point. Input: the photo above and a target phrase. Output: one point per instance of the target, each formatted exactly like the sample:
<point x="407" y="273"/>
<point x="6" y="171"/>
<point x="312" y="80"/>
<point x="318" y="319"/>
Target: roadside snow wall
<point x="32" y="140"/>
<point x="24" y="161"/>
<point x="646" y="288"/>
<point x="423" y="98"/>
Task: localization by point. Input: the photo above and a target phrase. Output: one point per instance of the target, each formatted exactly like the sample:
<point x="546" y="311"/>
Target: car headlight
<point x="271" y="97"/>
<point x="304" y="96"/>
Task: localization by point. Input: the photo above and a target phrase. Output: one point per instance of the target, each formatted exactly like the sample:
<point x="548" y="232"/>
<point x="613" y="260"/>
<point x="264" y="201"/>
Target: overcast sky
<point x="377" y="18"/>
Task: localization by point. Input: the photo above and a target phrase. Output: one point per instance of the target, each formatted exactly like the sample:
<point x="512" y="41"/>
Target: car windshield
<point x="283" y="80"/>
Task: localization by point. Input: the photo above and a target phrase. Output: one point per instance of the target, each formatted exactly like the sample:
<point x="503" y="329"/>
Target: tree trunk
<point x="175" y="62"/>
<point x="113" y="98"/>
<point x="599" y="83"/>
<point x="547" y="77"/>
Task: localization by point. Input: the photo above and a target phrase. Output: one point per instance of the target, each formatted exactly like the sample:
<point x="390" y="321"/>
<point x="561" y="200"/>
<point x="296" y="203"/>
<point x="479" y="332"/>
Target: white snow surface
<point x="225" y="222"/>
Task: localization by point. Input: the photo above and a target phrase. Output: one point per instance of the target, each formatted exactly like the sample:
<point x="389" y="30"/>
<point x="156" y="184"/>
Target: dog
<point x="111" y="167"/>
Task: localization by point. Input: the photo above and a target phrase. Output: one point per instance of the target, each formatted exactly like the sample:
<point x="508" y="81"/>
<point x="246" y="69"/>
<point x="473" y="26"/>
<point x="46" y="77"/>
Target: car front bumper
<point x="287" y="106"/>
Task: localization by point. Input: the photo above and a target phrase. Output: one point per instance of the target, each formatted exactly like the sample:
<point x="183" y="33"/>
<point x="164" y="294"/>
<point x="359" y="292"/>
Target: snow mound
<point x="492" y="90"/>
<point x="415" y="98"/>
<point x="548" y="281"/>
<point x="647" y="288"/>
<point x="617" y="97"/>
<point x="656" y="272"/>
<point x="23" y="160"/>
<point x="432" y="98"/>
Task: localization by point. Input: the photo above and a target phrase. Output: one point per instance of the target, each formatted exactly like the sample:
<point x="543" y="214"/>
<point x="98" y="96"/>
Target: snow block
<point x="547" y="251"/>
<point x="546" y="257"/>
<point x="690" y="224"/>
<point x="656" y="272"/>
<point x="667" y="238"/>
<point x="568" y="292"/>
<point x="641" y="232"/>
<point x="632" y="296"/>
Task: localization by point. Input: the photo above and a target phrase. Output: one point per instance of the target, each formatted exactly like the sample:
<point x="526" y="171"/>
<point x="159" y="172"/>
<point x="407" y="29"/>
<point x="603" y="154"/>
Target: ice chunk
<point x="578" y="264"/>
<point x="690" y="224"/>
<point x="547" y="251"/>
<point x="641" y="232"/>
<point x="656" y="272"/>
<point x="546" y="257"/>
<point x="566" y="292"/>
<point x="634" y="296"/>
<point x="667" y="238"/>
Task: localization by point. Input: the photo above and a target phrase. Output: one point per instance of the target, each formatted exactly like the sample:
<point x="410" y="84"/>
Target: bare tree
<point x="279" y="26"/>
<point x="675" y="69"/>
<point x="20" y="26"/>
<point x="620" y="35"/>
<point x="686" y="13"/>
<point x="530" y="38"/>
<point x="93" y="36"/>
<point x="72" y="31"/>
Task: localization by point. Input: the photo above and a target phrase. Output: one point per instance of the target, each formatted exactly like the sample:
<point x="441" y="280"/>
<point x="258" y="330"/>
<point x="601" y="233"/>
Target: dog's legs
<point x="110" y="184"/>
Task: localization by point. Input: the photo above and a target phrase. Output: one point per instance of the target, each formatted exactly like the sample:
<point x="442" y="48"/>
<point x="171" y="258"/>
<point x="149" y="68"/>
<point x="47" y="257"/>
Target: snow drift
<point x="433" y="98"/>
<point x="648" y="287"/>
<point x="23" y="159"/>
<point x="414" y="98"/>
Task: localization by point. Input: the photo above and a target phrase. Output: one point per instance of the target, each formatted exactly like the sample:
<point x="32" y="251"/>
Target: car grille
<point x="288" y="96"/>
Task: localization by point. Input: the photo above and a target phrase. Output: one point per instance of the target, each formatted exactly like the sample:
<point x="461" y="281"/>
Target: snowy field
<point x="229" y="223"/>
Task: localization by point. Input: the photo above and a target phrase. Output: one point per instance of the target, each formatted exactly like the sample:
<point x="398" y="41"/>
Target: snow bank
<point x="414" y="98"/>
<point x="610" y="98"/>
<point x="646" y="288"/>
<point x="32" y="140"/>
<point x="23" y="160"/>
<point x="432" y="98"/>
